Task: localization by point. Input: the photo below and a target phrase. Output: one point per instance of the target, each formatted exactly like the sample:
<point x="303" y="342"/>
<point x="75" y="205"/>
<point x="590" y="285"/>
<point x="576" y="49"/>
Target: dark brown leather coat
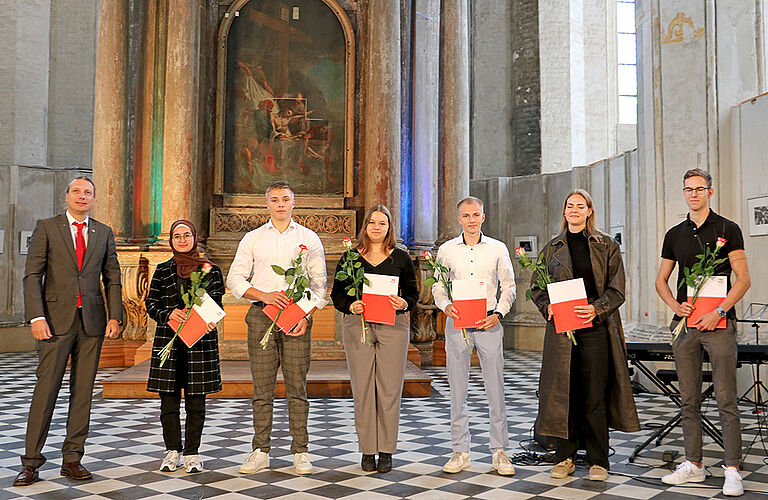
<point x="554" y="382"/>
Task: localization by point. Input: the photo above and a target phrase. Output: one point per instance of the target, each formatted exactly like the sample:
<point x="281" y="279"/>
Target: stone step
<point x="328" y="379"/>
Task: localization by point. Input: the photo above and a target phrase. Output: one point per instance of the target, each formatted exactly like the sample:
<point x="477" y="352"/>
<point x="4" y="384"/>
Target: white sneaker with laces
<point x="502" y="464"/>
<point x="254" y="462"/>
<point x="193" y="463"/>
<point x="686" y="472"/>
<point x="301" y="463"/>
<point x="458" y="462"/>
<point x="171" y="461"/>
<point x="732" y="486"/>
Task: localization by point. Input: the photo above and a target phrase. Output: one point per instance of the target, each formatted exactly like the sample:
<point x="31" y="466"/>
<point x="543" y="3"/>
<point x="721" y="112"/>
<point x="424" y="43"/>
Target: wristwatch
<point x="720" y="311"/>
<point x="497" y="313"/>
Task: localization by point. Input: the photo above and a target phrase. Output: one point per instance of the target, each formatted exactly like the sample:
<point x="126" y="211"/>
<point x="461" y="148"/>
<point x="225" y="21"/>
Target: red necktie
<point x="80" y="251"/>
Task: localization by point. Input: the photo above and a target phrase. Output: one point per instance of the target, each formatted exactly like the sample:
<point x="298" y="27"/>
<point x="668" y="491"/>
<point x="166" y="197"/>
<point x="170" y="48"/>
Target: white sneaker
<point x="502" y="464"/>
<point x="732" y="486"/>
<point x="254" y="462"/>
<point x="193" y="463"/>
<point x="301" y="463"/>
<point x="458" y="462"/>
<point x="686" y="472"/>
<point x="171" y="461"/>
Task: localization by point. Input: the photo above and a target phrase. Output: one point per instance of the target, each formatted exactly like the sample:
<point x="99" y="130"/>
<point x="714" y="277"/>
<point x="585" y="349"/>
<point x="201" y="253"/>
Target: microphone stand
<point x="754" y="315"/>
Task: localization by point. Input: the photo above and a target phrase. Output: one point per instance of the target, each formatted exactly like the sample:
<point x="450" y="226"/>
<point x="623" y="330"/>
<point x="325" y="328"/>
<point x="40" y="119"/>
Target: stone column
<point x="454" y="102"/>
<point x="182" y="96"/>
<point x="381" y="102"/>
<point x="109" y="117"/>
<point x="426" y="103"/>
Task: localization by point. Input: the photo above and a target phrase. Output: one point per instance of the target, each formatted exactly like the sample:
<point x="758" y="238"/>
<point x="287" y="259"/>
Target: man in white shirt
<point x="472" y="255"/>
<point x="276" y="243"/>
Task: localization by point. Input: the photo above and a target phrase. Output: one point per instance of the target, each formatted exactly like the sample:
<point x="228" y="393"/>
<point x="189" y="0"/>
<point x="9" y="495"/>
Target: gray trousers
<point x="53" y="355"/>
<point x="490" y="350"/>
<point x="722" y="349"/>
<point x="376" y="372"/>
<point x="292" y="355"/>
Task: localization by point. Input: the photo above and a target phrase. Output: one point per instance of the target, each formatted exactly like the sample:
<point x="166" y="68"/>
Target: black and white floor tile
<point x="125" y="445"/>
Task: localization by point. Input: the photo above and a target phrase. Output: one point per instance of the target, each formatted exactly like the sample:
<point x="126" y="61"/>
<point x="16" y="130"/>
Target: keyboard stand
<point x="707" y="426"/>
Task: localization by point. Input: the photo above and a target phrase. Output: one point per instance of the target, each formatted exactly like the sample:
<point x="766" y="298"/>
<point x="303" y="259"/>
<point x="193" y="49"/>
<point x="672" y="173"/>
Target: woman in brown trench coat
<point x="585" y="388"/>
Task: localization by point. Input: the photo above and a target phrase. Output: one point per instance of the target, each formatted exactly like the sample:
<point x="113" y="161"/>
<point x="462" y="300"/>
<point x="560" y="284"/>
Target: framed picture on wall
<point x="24" y="238"/>
<point x="529" y="243"/>
<point x="757" y="208"/>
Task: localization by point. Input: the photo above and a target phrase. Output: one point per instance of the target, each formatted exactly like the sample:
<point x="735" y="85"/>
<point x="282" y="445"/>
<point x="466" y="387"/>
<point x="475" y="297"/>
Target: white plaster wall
<point x="7" y="79"/>
<point x="30" y="87"/>
<point x="72" y="77"/>
<point x="555" y="63"/>
<point x="491" y="110"/>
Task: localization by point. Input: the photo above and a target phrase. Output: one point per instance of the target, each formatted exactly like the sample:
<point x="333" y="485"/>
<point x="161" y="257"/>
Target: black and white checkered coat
<point x="203" y="372"/>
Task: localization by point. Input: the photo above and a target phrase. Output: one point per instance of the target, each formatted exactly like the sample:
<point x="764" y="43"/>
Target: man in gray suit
<point x="69" y="256"/>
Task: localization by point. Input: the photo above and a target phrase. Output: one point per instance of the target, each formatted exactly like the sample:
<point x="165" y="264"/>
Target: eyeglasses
<point x="698" y="190"/>
<point x="179" y="237"/>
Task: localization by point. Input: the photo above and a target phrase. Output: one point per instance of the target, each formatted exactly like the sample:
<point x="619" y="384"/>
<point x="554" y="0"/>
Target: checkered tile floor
<point x="125" y="445"/>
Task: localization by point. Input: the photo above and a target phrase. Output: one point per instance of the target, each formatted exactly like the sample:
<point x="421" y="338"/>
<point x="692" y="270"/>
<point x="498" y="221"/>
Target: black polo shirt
<point x="685" y="241"/>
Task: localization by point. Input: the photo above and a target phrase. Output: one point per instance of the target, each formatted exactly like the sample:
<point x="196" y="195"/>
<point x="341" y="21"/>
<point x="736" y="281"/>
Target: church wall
<point x="491" y="93"/>
<point x="71" y="82"/>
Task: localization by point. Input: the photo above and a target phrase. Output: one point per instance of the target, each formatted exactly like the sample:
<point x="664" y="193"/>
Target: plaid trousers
<point x="292" y="354"/>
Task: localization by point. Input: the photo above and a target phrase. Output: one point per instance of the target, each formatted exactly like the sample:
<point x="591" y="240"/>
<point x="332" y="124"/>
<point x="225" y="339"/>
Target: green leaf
<point x="360" y="273"/>
<point x="342" y="276"/>
<point x="308" y="294"/>
<point x="198" y="302"/>
<point x="358" y="264"/>
<point x="528" y="294"/>
<point x="429" y="281"/>
<point x="290" y="272"/>
<point x="289" y="278"/>
<point x="366" y="281"/>
<point x="200" y="292"/>
<point x="351" y="292"/>
<point x="278" y="270"/>
<point x="304" y="281"/>
<point x="296" y="296"/>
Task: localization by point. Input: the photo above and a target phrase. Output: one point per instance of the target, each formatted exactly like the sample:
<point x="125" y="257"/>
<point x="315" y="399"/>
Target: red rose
<point x="302" y="249"/>
<point x="519" y="251"/>
<point x="427" y="254"/>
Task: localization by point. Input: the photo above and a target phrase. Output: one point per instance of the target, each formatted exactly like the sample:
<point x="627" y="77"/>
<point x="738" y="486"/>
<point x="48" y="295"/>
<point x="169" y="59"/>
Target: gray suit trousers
<point x="376" y="372"/>
<point x="53" y="354"/>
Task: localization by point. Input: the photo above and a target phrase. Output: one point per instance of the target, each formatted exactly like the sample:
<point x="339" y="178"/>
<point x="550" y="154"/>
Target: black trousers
<point x="170" y="416"/>
<point x="588" y="405"/>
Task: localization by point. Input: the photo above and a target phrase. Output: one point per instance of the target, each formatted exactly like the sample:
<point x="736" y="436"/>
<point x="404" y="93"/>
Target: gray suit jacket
<point x="52" y="280"/>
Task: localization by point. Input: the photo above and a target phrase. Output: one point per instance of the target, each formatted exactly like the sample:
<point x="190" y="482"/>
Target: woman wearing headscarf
<point x="194" y="369"/>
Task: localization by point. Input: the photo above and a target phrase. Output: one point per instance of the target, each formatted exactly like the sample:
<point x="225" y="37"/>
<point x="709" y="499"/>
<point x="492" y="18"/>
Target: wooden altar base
<point x="326" y="379"/>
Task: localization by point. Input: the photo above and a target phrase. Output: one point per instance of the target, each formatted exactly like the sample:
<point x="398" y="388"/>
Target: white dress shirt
<point x="266" y="246"/>
<point x="73" y="231"/>
<point x="488" y="260"/>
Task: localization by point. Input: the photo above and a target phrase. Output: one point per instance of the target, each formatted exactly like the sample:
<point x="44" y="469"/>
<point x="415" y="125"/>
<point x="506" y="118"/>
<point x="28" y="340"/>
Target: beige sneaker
<point x="502" y="464"/>
<point x="302" y="464"/>
<point x="563" y="469"/>
<point x="458" y="462"/>
<point x="254" y="462"/>
<point x="597" y="473"/>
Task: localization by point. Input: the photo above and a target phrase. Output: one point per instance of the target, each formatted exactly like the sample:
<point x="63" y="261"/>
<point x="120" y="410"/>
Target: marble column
<point x="109" y="117"/>
<point x="142" y="164"/>
<point x="454" y="119"/>
<point x="426" y="105"/>
<point x="182" y="96"/>
<point x="381" y="106"/>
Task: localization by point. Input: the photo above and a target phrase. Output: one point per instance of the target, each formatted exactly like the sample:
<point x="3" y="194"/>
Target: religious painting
<point x="287" y="98"/>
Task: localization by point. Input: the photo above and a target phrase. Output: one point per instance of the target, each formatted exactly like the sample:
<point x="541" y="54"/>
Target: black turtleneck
<point x="578" y="247"/>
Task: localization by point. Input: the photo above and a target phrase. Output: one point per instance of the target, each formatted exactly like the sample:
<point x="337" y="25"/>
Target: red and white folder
<point x="197" y="322"/>
<point x="712" y="294"/>
<point x="293" y="312"/>
<point x="470" y="301"/>
<point x="563" y="297"/>
<point x="378" y="309"/>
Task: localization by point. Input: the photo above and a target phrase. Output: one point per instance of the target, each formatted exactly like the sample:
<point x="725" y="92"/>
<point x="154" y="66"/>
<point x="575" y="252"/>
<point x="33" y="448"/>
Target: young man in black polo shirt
<point x="682" y="243"/>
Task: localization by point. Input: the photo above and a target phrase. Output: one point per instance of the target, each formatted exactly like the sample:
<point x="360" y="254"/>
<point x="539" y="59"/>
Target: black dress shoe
<point x="368" y="463"/>
<point x="75" y="471"/>
<point x="385" y="462"/>
<point x="27" y="476"/>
